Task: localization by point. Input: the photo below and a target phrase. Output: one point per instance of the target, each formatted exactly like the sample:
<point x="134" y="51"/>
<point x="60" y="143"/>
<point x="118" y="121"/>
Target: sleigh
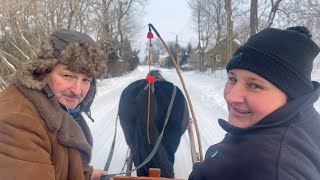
<point x="154" y="114"/>
<point x="154" y="174"/>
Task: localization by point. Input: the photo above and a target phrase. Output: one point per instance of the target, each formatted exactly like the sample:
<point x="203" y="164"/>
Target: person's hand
<point x="97" y="173"/>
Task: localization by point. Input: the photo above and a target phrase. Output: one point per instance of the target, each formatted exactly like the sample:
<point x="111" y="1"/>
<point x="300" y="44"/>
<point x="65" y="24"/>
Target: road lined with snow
<point x="206" y="93"/>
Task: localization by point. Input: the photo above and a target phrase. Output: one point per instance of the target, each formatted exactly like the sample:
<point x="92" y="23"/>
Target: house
<point x="193" y="60"/>
<point x="162" y="59"/>
<point x="216" y="58"/>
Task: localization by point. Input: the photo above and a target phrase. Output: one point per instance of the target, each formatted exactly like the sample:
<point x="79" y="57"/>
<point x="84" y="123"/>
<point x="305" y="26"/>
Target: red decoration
<point x="149" y="35"/>
<point x="150" y="79"/>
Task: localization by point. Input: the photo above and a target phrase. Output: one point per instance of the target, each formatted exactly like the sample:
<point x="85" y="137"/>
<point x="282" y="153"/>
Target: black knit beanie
<point x="283" y="57"/>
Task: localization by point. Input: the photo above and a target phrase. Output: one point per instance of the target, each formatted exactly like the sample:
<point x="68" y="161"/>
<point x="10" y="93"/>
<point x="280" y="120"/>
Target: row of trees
<point x="24" y="23"/>
<point x="238" y="19"/>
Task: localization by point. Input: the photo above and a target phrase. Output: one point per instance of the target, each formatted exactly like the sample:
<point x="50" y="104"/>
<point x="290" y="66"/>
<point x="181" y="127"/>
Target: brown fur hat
<point x="73" y="48"/>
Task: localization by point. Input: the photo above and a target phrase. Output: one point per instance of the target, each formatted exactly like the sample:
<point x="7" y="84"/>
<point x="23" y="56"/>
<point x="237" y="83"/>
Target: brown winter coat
<point x="39" y="140"/>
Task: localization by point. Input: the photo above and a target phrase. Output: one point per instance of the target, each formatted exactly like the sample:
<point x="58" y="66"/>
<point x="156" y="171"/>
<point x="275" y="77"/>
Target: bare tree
<point x="253" y="17"/>
<point x="117" y="17"/>
<point x="196" y="7"/>
<point x="25" y="22"/>
<point x="246" y="17"/>
<point x="6" y="69"/>
<point x="229" y="28"/>
<point x="157" y="49"/>
<point x="272" y="14"/>
<point x="205" y="25"/>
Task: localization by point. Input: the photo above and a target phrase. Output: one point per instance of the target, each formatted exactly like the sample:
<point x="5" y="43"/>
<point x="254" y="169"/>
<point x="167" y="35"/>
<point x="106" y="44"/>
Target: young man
<point x="42" y="132"/>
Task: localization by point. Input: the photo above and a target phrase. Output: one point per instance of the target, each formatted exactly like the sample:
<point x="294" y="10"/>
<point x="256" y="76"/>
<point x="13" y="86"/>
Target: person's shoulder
<point x="9" y="93"/>
<point x="10" y="99"/>
<point x="18" y="112"/>
<point x="13" y="101"/>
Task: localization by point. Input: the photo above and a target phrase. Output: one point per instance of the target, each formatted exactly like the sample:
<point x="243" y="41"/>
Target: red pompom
<point x="150" y="79"/>
<point x="149" y="35"/>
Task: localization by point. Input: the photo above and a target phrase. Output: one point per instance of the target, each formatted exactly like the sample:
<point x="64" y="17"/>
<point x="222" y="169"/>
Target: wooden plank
<point x="154" y="172"/>
<point x="139" y="178"/>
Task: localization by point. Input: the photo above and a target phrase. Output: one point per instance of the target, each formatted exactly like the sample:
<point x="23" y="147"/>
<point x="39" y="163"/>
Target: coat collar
<point x="69" y="132"/>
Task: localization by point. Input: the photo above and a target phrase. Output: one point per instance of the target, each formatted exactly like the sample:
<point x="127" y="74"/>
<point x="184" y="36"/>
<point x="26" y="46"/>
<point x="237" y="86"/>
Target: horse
<point x="133" y="115"/>
<point x="157" y="75"/>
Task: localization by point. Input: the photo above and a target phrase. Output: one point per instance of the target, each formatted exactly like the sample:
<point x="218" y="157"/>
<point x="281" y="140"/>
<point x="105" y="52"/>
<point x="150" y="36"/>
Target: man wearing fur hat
<point x="273" y="129"/>
<point x="42" y="132"/>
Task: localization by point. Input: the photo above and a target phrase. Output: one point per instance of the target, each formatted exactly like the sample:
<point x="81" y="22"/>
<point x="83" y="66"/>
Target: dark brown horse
<point x="133" y="114"/>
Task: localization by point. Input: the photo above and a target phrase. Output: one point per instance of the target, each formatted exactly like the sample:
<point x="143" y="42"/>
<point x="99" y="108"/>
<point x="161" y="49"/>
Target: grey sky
<point x="169" y="17"/>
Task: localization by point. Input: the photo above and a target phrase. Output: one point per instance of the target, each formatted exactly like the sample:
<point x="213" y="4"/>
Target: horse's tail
<point x="133" y="113"/>
<point x="142" y="149"/>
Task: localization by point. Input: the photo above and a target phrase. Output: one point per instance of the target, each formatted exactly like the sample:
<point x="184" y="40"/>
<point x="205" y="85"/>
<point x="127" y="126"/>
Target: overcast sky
<point x="170" y="18"/>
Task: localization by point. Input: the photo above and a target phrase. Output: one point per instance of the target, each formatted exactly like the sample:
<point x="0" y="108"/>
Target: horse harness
<point x="156" y="146"/>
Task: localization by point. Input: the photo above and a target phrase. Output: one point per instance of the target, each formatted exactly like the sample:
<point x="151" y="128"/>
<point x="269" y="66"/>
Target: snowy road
<point x="207" y="100"/>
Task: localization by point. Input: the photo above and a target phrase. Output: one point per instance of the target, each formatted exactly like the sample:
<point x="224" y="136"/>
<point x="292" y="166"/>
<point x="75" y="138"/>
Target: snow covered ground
<point x="206" y="93"/>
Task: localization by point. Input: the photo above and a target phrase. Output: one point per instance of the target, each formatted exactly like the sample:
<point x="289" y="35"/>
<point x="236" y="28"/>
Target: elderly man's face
<point x="69" y="87"/>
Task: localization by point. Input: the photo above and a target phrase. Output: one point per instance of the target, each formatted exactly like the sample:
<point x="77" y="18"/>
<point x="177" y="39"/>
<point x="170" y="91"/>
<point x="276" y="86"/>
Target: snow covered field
<point x="206" y="93"/>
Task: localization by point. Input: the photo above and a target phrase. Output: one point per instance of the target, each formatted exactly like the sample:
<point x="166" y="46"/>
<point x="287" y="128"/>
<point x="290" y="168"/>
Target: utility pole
<point x="177" y="50"/>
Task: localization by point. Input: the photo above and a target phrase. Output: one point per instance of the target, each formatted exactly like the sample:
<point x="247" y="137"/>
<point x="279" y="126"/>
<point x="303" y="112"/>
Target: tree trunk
<point x="254" y="17"/>
<point x="229" y="28"/>
<point x="274" y="8"/>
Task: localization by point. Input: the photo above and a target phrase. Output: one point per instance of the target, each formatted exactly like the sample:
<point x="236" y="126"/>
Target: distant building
<point x="216" y="58"/>
<point x="162" y="59"/>
<point x="193" y="59"/>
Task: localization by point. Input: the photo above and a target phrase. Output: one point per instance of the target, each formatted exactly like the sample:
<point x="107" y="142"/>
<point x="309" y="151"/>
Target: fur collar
<point x="69" y="132"/>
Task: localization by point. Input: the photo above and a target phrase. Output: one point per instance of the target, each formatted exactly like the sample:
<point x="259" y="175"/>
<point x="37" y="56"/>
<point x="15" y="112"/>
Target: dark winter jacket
<point x="285" y="145"/>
